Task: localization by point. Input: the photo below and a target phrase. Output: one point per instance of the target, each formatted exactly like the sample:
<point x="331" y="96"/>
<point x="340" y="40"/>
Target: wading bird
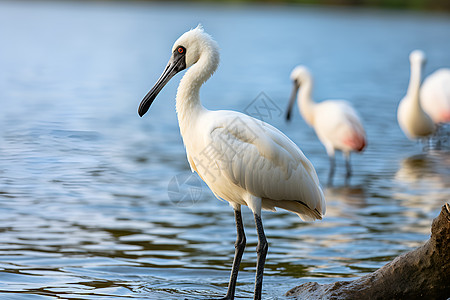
<point x="336" y="123"/>
<point x="243" y="160"/>
<point x="435" y="96"/>
<point x="412" y="119"/>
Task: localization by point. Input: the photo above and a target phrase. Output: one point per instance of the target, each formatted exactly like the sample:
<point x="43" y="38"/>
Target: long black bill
<point x="176" y="64"/>
<point x="292" y="100"/>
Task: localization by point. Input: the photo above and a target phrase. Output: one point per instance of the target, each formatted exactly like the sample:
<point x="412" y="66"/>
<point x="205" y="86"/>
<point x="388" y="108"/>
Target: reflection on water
<point x="424" y="180"/>
<point x="351" y="195"/>
<point x="88" y="205"/>
<point x="432" y="169"/>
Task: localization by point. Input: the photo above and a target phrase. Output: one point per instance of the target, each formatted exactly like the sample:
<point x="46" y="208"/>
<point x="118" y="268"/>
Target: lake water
<point x="89" y="207"/>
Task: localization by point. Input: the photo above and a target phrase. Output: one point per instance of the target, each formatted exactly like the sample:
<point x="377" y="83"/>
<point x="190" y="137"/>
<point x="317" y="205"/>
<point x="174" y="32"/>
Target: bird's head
<point x="186" y="51"/>
<point x="299" y="75"/>
<point x="195" y="41"/>
<point x="417" y="57"/>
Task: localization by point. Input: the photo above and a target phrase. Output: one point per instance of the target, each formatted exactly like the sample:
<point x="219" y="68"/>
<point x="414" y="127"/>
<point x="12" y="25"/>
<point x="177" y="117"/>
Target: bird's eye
<point x="180" y="50"/>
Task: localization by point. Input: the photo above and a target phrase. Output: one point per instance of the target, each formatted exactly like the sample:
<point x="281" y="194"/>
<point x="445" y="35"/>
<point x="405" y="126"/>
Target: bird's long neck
<point x="305" y="102"/>
<point x="414" y="84"/>
<point x="188" y="103"/>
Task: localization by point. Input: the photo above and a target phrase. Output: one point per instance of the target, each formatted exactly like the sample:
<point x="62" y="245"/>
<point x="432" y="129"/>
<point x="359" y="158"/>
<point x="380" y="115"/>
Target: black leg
<point x="240" y="246"/>
<point x="348" y="167"/>
<point x="261" y="249"/>
<point x="438" y="136"/>
<point x="332" y="167"/>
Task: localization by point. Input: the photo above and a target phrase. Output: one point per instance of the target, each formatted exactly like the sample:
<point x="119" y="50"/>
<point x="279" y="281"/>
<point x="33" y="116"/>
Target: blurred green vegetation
<point x="436" y="5"/>
<point x="398" y="4"/>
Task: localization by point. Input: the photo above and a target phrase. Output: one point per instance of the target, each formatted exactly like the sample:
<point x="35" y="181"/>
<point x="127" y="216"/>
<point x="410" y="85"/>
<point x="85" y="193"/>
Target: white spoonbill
<point x="336" y="123"/>
<point x="435" y="96"/>
<point x="414" y="122"/>
<point x="243" y="161"/>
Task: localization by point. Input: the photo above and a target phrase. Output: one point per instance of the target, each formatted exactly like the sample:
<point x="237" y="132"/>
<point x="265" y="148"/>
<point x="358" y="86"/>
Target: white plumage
<point x="244" y="156"/>
<point x="336" y="123"/>
<point x="412" y="119"/>
<point x="435" y="96"/>
<point x="243" y="160"/>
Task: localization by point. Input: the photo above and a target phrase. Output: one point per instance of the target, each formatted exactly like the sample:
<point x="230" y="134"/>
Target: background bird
<point x="413" y="120"/>
<point x="243" y="160"/>
<point x="435" y="96"/>
<point x="336" y="123"/>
